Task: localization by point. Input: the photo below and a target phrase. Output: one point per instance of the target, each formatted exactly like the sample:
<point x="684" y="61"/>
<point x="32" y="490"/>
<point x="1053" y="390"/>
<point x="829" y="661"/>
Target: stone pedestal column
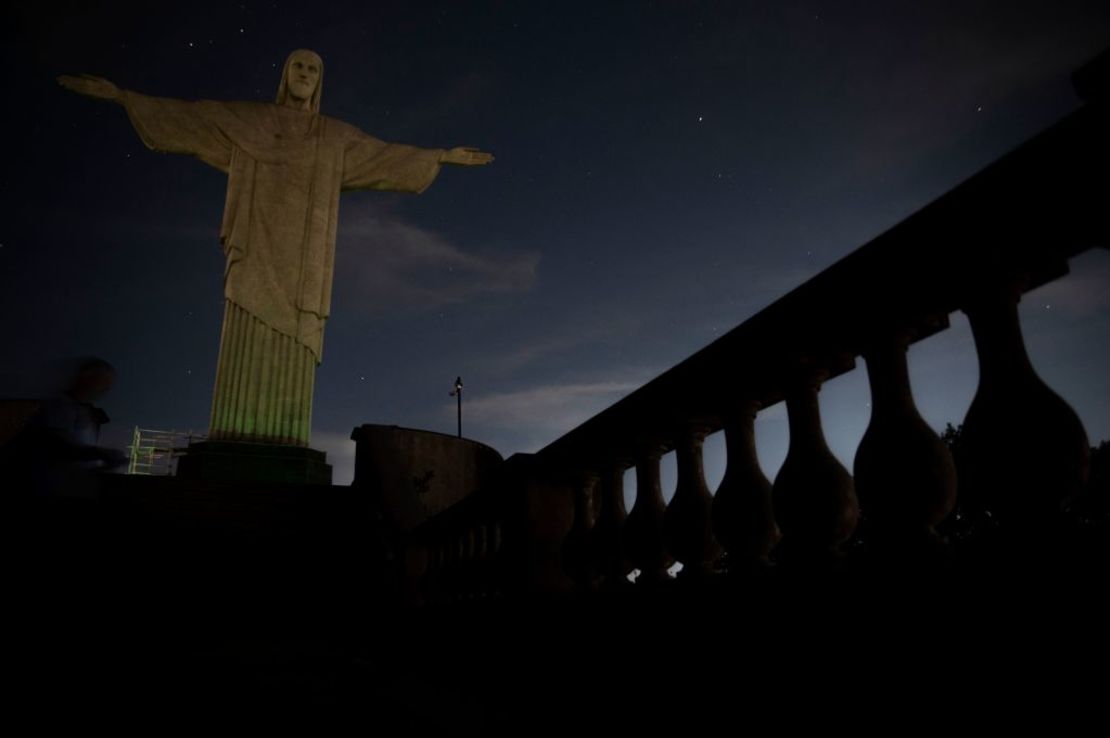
<point x="264" y="382"/>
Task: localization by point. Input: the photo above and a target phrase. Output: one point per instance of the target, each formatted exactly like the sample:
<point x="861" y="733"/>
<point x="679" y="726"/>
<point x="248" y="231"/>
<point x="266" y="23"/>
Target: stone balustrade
<point x="556" y="521"/>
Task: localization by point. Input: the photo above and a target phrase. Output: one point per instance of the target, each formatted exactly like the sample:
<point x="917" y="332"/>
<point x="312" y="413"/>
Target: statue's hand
<point x="466" y="156"/>
<point x="87" y="84"/>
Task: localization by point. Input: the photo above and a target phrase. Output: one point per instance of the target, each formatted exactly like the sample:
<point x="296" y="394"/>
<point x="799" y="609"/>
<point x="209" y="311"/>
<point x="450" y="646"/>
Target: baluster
<point x="468" y="575"/>
<point x="814" y="500"/>
<point x="904" y="474"/>
<point x="432" y="588"/>
<point x="481" y="547"/>
<point x="577" y="557"/>
<point x="1023" y="452"/>
<point x="688" y="521"/>
<point x="547" y="518"/>
<point x="495" y="566"/>
<point x="480" y="565"/>
<point x="607" y="536"/>
<point x="417" y="567"/>
<point x="643" y="531"/>
<point x="743" y="514"/>
<point x="454" y="574"/>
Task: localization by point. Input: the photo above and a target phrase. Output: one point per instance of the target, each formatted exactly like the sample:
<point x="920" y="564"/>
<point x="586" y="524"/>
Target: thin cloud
<point x="526" y="419"/>
<point x="341" y="454"/>
<point x="602" y="329"/>
<point x="389" y="264"/>
<point x="1082" y="294"/>
<point x="527" y="354"/>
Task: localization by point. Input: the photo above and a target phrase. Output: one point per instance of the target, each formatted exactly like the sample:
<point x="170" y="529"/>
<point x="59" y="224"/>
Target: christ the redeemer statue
<point x="286" y="165"/>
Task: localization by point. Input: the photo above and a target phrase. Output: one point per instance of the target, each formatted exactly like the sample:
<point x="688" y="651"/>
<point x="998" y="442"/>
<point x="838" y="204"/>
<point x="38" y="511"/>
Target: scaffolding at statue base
<point x="155" y="452"/>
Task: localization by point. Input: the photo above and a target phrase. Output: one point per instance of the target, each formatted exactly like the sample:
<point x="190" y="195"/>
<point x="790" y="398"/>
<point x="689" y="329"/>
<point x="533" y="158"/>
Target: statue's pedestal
<point x="228" y="461"/>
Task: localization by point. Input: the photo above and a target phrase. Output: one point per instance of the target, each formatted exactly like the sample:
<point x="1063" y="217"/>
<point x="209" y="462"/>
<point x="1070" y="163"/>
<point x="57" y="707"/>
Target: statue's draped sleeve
<point x="174" y="126"/>
<point x="372" y="164"/>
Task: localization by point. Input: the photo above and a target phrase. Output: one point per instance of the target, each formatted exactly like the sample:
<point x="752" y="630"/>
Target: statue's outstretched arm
<point x="466" y="156"/>
<point x="163" y="123"/>
<point x="90" y="86"/>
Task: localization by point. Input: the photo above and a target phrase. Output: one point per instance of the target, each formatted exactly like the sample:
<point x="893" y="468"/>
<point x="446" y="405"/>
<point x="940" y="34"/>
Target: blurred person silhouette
<point x="59" y="446"/>
<point x="64" y="543"/>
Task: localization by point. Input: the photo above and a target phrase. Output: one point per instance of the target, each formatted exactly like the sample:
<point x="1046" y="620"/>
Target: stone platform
<point x="227" y="461"/>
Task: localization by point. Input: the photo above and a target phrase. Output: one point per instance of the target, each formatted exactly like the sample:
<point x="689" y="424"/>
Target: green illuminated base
<point x="228" y="461"/>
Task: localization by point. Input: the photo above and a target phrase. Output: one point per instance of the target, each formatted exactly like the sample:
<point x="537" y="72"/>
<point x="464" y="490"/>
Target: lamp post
<point x="457" y="393"/>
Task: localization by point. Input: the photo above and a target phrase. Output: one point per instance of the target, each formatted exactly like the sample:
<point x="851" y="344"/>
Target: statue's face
<point x="304" y="75"/>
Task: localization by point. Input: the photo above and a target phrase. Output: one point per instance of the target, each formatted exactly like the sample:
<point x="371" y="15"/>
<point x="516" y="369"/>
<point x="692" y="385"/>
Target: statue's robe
<point x="285" y="171"/>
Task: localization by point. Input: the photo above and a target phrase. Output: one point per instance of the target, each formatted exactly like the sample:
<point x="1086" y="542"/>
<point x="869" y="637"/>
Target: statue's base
<point x="228" y="461"/>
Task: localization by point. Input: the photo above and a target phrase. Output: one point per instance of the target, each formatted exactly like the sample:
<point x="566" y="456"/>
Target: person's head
<point x="93" y="378"/>
<point x="301" y="80"/>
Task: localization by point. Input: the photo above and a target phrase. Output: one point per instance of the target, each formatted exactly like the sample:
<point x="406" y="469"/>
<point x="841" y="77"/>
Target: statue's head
<point x="301" y="80"/>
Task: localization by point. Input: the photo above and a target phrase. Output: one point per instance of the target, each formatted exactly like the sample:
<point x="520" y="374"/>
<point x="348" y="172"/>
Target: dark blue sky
<point x="664" y="170"/>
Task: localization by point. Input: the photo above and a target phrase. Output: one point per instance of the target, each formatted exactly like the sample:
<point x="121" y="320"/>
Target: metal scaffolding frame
<point x="155" y="452"/>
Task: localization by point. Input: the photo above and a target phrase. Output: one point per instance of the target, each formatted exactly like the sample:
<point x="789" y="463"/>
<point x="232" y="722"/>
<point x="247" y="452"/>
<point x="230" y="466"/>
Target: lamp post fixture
<point x="457" y="393"/>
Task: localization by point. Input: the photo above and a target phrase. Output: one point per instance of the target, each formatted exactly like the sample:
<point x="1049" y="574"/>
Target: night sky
<point x="664" y="170"/>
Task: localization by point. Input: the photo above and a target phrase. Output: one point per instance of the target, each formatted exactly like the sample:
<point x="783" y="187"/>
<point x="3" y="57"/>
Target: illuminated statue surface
<point x="286" y="165"/>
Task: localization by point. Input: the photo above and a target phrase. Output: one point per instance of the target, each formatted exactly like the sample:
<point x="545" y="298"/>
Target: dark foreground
<point x="159" y="612"/>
